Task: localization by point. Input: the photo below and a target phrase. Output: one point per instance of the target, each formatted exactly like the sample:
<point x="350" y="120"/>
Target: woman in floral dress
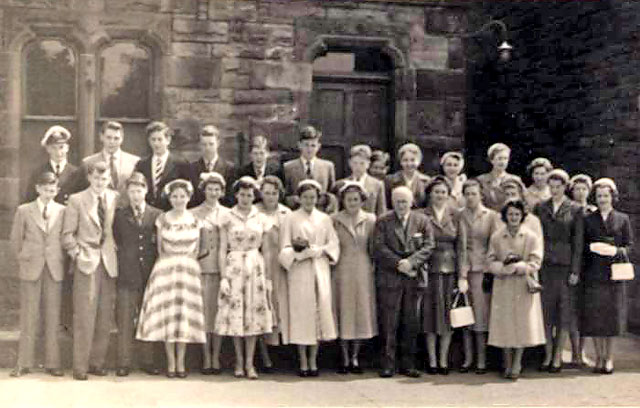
<point x="172" y="309"/>
<point x="244" y="311"/>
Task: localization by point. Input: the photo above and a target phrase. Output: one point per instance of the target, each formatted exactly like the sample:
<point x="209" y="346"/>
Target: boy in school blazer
<point x="87" y="236"/>
<point x="307" y="166"/>
<point x="35" y="237"/>
<point x="134" y="232"/>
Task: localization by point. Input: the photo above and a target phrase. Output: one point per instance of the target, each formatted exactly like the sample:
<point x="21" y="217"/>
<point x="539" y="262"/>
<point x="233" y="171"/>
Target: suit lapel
<point x="37" y="215"/>
<point x="90" y="208"/>
<point x="564" y="207"/>
<point x="56" y="212"/>
<point x="400" y="233"/>
<point x="168" y="168"/>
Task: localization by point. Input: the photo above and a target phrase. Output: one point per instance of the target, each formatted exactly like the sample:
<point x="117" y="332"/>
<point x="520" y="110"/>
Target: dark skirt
<point x="556" y="296"/>
<point x="603" y="304"/>
<point x="436" y="303"/>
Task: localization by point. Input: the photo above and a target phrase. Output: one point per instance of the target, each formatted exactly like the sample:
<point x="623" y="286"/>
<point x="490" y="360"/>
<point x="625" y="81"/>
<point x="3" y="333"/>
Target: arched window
<point x="125" y="86"/>
<point x="49" y="97"/>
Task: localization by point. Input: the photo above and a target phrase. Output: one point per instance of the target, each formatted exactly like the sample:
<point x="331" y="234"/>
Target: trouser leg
<point x="390" y="302"/>
<point x="52" y="295"/>
<point x="85" y="304"/>
<point x="104" y="317"/>
<point x="409" y="346"/>
<point x="29" y="321"/>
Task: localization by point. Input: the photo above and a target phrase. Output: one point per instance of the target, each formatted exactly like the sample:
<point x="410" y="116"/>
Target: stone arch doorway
<point x="351" y="101"/>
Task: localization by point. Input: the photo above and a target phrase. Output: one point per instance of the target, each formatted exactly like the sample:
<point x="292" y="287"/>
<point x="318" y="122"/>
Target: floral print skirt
<point x="243" y="303"/>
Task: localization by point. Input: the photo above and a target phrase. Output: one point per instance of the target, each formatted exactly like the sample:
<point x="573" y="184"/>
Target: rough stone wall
<point x="245" y="66"/>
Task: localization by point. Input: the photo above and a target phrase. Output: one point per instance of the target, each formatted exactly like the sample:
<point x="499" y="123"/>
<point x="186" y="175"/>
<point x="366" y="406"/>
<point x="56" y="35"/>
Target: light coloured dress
<point x="516" y="319"/>
<point x="353" y="277"/>
<point x="311" y="317"/>
<point x="243" y="306"/>
<point x="172" y="308"/>
<point x="277" y="286"/>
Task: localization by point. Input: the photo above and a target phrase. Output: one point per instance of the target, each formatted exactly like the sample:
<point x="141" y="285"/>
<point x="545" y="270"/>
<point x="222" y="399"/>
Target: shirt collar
<point x="107" y="156"/>
<point x="305" y="161"/>
<point x="163" y="157"/>
<point x="142" y="207"/>
<point x="41" y="204"/>
<point x="62" y="164"/>
<point x="360" y="180"/>
<point x="213" y="161"/>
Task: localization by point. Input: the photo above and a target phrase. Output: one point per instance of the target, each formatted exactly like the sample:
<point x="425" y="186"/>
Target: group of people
<point x="270" y="255"/>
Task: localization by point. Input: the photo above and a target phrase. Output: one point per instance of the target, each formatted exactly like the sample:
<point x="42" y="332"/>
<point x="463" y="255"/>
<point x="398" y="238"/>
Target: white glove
<point x="463" y="285"/>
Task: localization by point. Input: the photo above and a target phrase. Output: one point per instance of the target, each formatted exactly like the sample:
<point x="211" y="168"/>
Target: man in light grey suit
<point x="87" y="235"/>
<point x="308" y="166"/>
<point x="35" y="239"/>
<point x="121" y="164"/>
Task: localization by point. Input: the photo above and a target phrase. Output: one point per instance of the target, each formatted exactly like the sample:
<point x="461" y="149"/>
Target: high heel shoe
<point x="431" y="370"/>
<point x="238" y="372"/>
<point x="608" y="367"/>
<point x="251" y="373"/>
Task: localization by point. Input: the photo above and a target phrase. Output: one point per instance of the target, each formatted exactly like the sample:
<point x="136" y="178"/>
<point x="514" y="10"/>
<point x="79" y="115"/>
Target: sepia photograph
<point x="319" y="203"/>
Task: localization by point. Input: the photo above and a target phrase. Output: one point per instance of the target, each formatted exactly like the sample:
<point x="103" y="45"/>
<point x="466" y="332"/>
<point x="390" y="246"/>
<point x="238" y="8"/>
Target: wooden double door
<point x="351" y="109"/>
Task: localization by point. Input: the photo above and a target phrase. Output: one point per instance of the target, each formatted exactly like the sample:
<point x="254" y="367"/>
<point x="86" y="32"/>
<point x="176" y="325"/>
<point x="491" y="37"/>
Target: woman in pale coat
<point x="272" y="192"/>
<point x="311" y="317"/>
<point x="353" y="275"/>
<point x="516" y="320"/>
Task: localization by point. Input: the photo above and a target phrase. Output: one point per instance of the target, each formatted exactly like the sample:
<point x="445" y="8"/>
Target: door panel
<point x="349" y="111"/>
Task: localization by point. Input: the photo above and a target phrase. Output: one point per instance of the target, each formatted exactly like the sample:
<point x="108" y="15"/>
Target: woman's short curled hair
<point x="606" y="183"/>
<point x="409" y="148"/>
<point x="186" y="185"/>
<point x="308" y="184"/>
<point x="517" y="204"/>
<point x="436" y="181"/>
<point x="245" y="183"/>
<point x="379" y="155"/>
<point x="471" y="183"/>
<point x="539" y="162"/>
<point x="211" y="178"/>
<point x="276" y="183"/>
<point x="352" y="186"/>
<point x="497" y="148"/>
<point x="580" y="179"/>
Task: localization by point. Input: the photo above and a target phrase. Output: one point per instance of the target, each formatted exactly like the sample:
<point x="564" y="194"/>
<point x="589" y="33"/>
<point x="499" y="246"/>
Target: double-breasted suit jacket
<point x="563" y="234"/>
<point x="450" y="235"/>
<point x="36" y="243"/>
<point x="224" y="168"/>
<point x="376" y="198"/>
<point x="125" y="164"/>
<point x="67" y="182"/>
<point x="176" y="167"/>
<point x="397" y="292"/>
<point x="417" y="185"/>
<point x="137" y="245"/>
<point x="322" y="171"/>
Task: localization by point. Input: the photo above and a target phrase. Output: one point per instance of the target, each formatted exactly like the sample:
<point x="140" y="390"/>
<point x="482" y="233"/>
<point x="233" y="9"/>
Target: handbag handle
<point x="465" y="299"/>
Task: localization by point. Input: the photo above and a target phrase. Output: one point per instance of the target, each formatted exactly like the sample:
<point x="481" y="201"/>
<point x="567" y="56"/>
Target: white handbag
<point x="461" y="316"/>
<point x="622" y="271"/>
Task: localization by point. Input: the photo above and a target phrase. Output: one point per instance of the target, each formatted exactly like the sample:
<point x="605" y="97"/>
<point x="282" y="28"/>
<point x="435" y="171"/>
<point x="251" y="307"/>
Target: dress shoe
<point x="216" y="371"/>
<point x="303" y="373"/>
<point x="238" y="372"/>
<point x="481" y="371"/>
<point x="411" y="372"/>
<point x="181" y="374"/>
<point x="267" y="369"/>
<point x="122" y="371"/>
<point x="152" y="370"/>
<point x="19" y="371"/>
<point x="386" y="373"/>
<point x="608" y="367"/>
<point x="100" y="372"/>
<point x="251" y="373"/>
<point x="314" y="373"/>
<point x="555" y="370"/>
<point x="443" y="370"/>
<point x="544" y="368"/>
<point x="206" y="371"/>
<point x="343" y="369"/>
<point x="356" y="369"/>
<point x="80" y="376"/>
<point x="431" y="370"/>
<point x="171" y="374"/>
<point x="55" y="372"/>
<point x="513" y="376"/>
<point x="464" y="369"/>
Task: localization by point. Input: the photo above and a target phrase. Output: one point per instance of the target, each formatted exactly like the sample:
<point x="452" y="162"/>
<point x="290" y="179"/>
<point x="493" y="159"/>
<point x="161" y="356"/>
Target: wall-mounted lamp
<point x="504" y="48"/>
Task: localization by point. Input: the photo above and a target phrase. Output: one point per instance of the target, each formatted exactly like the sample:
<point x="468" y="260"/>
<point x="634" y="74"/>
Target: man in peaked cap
<point x="56" y="142"/>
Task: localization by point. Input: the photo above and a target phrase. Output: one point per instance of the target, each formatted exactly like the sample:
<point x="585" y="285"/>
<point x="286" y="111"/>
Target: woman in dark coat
<point x="604" y="300"/>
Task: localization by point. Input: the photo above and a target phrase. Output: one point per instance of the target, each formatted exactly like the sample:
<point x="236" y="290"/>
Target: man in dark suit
<point x="307" y="166"/>
<point x="261" y="164"/>
<point x="211" y="161"/>
<point x="403" y="242"/>
<point x="162" y="166"/>
<point x="134" y="232"/>
<point x="56" y="143"/>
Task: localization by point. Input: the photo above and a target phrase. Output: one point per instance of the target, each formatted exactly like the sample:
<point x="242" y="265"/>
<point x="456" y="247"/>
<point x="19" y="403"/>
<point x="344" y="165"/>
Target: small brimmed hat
<point x="539" y="162"/>
<point x="55" y="134"/>
<point x="361" y="150"/>
<point x="211" y="177"/>
<point x="559" y="174"/>
<point x="580" y="178"/>
<point x="495" y="148"/>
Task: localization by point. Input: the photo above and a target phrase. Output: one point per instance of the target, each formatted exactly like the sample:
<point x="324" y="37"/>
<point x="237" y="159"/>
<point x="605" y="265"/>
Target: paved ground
<point x="571" y="388"/>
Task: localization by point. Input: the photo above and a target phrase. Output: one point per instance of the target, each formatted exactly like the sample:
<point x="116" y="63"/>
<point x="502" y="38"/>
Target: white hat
<point x="605" y="181"/>
<point x="212" y="177"/>
<point x="497" y="147"/>
<point x="55" y="134"/>
<point x="455" y="155"/>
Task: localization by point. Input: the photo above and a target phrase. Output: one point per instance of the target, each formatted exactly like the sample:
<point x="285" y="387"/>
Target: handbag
<point x="622" y="271"/>
<point x="533" y="285"/>
<point x="461" y="316"/>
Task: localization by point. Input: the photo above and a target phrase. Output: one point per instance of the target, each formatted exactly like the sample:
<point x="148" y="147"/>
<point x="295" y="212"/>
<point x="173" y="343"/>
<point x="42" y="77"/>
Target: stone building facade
<point x="247" y="66"/>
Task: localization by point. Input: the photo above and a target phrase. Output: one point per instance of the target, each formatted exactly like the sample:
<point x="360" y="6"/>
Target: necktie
<point x="210" y="166"/>
<point x="45" y="217"/>
<point x="114" y="172"/>
<point x="56" y="169"/>
<point x="309" y="175"/>
<point x="157" y="173"/>
<point x="138" y="213"/>
<point x="101" y="211"/>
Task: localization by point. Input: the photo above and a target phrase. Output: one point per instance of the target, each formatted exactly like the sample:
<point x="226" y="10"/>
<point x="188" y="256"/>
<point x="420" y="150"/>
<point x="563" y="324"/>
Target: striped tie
<point x="308" y="172"/>
<point x="157" y="174"/>
<point x="45" y="216"/>
<point x="114" y="172"/>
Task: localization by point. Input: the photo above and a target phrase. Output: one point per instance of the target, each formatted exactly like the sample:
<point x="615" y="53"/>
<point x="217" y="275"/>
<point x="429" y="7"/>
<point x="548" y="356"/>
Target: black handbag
<point x="487" y="282"/>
